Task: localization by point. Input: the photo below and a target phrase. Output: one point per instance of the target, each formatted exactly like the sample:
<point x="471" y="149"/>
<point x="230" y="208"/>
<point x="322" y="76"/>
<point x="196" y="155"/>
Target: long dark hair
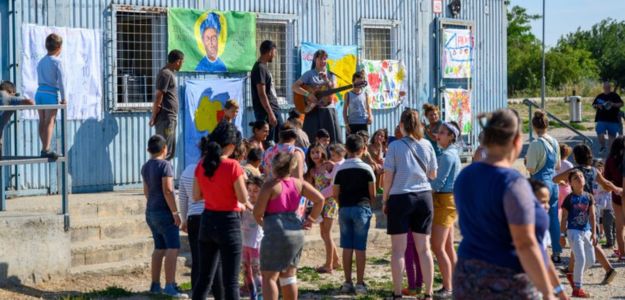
<point x="618" y="150"/>
<point x="309" y="161"/>
<point x="318" y="53"/>
<point x="212" y="146"/>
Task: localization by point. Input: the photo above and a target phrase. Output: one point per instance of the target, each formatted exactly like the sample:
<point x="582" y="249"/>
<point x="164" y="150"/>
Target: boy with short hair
<point x="253" y="161"/>
<point x="162" y="215"/>
<point x="357" y="108"/>
<point x="354" y="189"/>
<point x="50" y="77"/>
<point x="8" y="97"/>
<point x="231" y="110"/>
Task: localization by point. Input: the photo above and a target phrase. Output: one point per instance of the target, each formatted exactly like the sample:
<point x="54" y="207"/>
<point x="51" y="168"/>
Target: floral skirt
<point x="330" y="209"/>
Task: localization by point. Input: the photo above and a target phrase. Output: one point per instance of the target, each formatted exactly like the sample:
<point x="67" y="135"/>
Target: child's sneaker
<point x="155" y="288"/>
<point x="609" y="277"/>
<point x="580" y="293"/>
<point x="360" y="289"/>
<point x="442" y="293"/>
<point x="347" y="288"/>
<point x="172" y="291"/>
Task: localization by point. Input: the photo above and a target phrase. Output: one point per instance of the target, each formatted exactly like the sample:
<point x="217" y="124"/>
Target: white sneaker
<point x="361" y="289"/>
<point x="347" y="288"/>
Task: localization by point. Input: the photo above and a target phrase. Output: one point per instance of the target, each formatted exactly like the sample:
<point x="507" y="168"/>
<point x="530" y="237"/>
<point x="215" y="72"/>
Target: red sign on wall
<point x="437" y="6"/>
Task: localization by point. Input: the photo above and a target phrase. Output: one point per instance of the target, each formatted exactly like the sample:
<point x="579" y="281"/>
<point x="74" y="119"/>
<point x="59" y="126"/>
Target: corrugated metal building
<point x="108" y="154"/>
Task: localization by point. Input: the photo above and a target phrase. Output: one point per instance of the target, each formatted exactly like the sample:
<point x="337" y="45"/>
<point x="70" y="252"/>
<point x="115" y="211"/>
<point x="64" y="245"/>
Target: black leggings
<point x="193" y="228"/>
<point x="220" y="237"/>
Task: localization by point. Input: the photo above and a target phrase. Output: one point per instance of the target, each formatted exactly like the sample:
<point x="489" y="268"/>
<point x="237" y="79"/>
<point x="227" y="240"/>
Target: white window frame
<point x="391" y="25"/>
<point x="289" y="22"/>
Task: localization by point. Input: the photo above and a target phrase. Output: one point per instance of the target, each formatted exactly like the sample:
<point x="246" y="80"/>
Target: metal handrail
<point x="21" y="160"/>
<point x="531" y="104"/>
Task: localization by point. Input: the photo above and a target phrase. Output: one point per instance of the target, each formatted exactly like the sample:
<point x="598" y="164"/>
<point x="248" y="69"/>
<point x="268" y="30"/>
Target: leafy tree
<point x="567" y="65"/>
<point x="606" y="43"/>
<point x="523" y="49"/>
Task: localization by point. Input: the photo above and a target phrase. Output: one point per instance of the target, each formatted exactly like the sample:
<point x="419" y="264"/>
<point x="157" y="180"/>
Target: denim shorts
<point x="612" y="128"/>
<point x="354" y="222"/>
<point x="164" y="231"/>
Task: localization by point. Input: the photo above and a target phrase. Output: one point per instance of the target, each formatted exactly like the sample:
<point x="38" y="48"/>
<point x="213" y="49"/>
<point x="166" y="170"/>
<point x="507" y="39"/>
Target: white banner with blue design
<point x="204" y="108"/>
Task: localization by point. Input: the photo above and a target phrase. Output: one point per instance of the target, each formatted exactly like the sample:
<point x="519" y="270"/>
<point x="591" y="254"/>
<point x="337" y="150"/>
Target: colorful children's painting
<point x="387" y="82"/>
<point x="342" y="61"/>
<point x="457" y="56"/>
<point x="458" y="108"/>
<point x="203" y="36"/>
<point x="204" y="101"/>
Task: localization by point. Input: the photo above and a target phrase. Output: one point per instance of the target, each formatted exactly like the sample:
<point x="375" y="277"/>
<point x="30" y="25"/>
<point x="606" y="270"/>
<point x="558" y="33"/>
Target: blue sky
<point x="564" y="16"/>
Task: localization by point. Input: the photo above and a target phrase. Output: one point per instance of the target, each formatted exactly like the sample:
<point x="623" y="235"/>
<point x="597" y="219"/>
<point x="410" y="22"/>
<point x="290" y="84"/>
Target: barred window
<point x="276" y="32"/>
<point x="141" y="51"/>
<point x="378" y="43"/>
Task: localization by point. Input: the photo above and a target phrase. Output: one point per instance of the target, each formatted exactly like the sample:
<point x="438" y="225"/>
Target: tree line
<point x="580" y="59"/>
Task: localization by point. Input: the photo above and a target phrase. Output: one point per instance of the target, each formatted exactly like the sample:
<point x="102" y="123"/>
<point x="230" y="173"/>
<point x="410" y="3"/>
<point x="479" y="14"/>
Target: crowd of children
<point x="293" y="185"/>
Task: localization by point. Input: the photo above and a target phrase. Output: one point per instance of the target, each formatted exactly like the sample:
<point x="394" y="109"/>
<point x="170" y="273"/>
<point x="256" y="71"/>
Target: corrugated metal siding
<point x="109" y="153"/>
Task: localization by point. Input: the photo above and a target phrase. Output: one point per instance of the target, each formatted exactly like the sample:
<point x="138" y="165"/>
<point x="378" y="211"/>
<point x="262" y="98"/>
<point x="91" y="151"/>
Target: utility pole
<point x="542" y="84"/>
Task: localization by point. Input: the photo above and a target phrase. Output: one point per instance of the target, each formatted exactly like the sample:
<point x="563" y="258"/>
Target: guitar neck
<point x="333" y="91"/>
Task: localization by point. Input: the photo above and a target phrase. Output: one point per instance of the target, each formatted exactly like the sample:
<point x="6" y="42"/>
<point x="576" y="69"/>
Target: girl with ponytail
<point x="220" y="182"/>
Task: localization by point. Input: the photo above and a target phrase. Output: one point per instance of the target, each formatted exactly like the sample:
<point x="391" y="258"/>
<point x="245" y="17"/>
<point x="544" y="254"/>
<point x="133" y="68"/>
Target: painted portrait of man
<point x="210" y="30"/>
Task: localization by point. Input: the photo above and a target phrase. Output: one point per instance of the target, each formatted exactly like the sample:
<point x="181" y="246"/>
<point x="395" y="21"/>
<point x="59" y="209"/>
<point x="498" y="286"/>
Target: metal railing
<point x="6" y="161"/>
<point x="531" y="104"/>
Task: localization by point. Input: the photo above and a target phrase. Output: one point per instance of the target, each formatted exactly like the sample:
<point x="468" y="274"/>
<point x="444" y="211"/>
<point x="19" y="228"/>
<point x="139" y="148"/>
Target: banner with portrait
<point x="342" y="61"/>
<point x="204" y="37"/>
<point x="204" y="103"/>
<point x="457" y="56"/>
<point x="458" y="108"/>
<point x="387" y="82"/>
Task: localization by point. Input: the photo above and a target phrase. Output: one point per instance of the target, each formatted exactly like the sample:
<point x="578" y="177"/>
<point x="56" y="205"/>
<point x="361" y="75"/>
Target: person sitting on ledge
<point x="8" y="96"/>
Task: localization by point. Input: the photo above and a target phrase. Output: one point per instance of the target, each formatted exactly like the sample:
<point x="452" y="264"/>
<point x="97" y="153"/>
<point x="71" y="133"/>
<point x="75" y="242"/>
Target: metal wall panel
<point x="108" y="154"/>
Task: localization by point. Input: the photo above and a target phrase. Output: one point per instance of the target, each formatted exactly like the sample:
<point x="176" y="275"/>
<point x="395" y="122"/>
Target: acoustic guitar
<point x="324" y="96"/>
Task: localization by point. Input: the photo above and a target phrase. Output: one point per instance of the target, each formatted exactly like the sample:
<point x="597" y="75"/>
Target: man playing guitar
<point x="321" y="116"/>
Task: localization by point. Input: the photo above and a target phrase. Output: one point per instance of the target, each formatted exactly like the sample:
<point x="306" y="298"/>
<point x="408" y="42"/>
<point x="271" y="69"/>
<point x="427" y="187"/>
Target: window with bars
<point x="276" y="32"/>
<point x="141" y="51"/>
<point x="378" y="43"/>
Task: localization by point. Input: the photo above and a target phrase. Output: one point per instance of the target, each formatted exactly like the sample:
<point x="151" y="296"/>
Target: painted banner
<point x="204" y="36"/>
<point x="204" y="103"/>
<point x="387" y="82"/>
<point x="457" y="56"/>
<point x="342" y="61"/>
<point x="458" y="108"/>
<point x="81" y="57"/>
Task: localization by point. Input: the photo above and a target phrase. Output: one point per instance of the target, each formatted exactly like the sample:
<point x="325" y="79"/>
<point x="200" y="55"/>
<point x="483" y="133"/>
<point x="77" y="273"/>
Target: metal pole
<point x="64" y="189"/>
<point x="542" y="84"/>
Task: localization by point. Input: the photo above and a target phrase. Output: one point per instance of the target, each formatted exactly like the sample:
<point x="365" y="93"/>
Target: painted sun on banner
<point x="203" y="36"/>
<point x="205" y="100"/>
<point x="457" y="56"/>
<point x="458" y="108"/>
<point x="387" y="82"/>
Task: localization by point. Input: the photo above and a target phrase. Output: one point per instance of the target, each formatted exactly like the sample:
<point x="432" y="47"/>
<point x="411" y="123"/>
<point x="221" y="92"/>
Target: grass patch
<point x="378" y="261"/>
<point x="112" y="292"/>
<point x="308" y="274"/>
<point x="185" y="286"/>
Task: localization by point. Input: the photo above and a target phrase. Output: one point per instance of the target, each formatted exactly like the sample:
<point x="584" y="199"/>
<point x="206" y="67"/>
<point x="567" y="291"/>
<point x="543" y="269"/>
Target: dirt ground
<point x="311" y="284"/>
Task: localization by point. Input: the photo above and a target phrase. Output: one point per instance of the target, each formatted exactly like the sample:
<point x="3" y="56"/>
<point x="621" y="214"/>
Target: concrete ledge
<point x="33" y="247"/>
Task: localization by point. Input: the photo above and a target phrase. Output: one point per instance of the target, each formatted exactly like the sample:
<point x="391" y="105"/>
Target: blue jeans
<point x="354" y="222"/>
<point x="164" y="231"/>
<point x="554" y="222"/>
